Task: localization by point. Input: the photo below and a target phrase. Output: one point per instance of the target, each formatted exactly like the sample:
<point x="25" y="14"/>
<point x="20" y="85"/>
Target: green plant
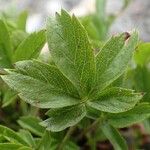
<point x="98" y="23"/>
<point x="79" y="84"/>
<point x="15" y="44"/>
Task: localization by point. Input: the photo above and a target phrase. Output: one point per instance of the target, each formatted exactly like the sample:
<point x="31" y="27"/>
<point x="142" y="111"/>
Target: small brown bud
<point x="127" y="35"/>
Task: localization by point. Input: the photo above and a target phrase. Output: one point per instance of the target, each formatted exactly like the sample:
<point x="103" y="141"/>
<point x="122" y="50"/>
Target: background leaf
<point x="30" y="47"/>
<point x="32" y="124"/>
<point x="5" y="46"/>
<point x="114" y="137"/>
<point x="142" y="54"/>
<point x="125" y="119"/>
<point x="11" y="136"/>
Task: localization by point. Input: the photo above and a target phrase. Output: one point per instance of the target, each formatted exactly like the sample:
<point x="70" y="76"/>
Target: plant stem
<point x="91" y="127"/>
<point x="67" y="136"/>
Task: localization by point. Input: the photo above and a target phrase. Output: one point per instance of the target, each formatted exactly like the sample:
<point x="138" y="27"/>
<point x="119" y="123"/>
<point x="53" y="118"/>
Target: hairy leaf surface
<point x="60" y="119"/>
<point x="43" y="87"/>
<point x="115" y="100"/>
<point x="113" y="59"/>
<point x="71" y="50"/>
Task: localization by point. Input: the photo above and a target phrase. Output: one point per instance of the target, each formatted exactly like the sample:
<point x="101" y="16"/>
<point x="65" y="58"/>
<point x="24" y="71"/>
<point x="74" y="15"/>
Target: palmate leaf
<point x="60" y="119"/>
<point x="71" y="50"/>
<point x="71" y="85"/>
<point x="115" y="100"/>
<point x="41" y="85"/>
<point x="113" y="59"/>
<point x="125" y="119"/>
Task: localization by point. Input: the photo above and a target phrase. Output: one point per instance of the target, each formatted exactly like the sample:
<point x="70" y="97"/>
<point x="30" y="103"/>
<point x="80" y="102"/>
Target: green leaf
<point x="92" y="113"/>
<point x="45" y="142"/>
<point x="25" y="148"/>
<point x="71" y="50"/>
<point x="11" y="136"/>
<point x="5" y="46"/>
<point x="115" y="100"/>
<point x="9" y="146"/>
<point x="114" y="137"/>
<point x="9" y="97"/>
<point x="48" y="73"/>
<point x="22" y="20"/>
<point x="17" y="37"/>
<point x="60" y="119"/>
<point x="71" y="146"/>
<point x="113" y="59"/>
<point x="125" y="119"/>
<point x="100" y="9"/>
<point x="26" y="135"/>
<point x="141" y="80"/>
<point x="142" y="54"/>
<point x="43" y="86"/>
<point x="32" y="124"/>
<point x="146" y="124"/>
<point x="90" y="27"/>
<point x="30" y="47"/>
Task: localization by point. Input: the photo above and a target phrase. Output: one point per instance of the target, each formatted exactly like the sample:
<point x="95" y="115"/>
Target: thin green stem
<point x="90" y="128"/>
<point x="67" y="136"/>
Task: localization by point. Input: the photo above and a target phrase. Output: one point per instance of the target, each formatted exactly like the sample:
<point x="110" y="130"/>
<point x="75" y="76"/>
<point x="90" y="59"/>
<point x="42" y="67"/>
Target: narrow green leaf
<point x="17" y="37"/>
<point x="115" y="100"/>
<point x="137" y="114"/>
<point x="43" y="87"/>
<point x="22" y="20"/>
<point x="5" y="46"/>
<point x="11" y="136"/>
<point x="71" y="50"/>
<point x="113" y="59"/>
<point x="100" y="9"/>
<point x="146" y="124"/>
<point x="60" y="119"/>
<point x="9" y="146"/>
<point x="26" y="135"/>
<point x="90" y="27"/>
<point x="45" y="142"/>
<point x="48" y="73"/>
<point x="32" y="124"/>
<point x="114" y="137"/>
<point x="141" y="80"/>
<point x="30" y="47"/>
<point x="71" y="146"/>
<point x="8" y="97"/>
<point x="25" y="148"/>
<point x="142" y="54"/>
